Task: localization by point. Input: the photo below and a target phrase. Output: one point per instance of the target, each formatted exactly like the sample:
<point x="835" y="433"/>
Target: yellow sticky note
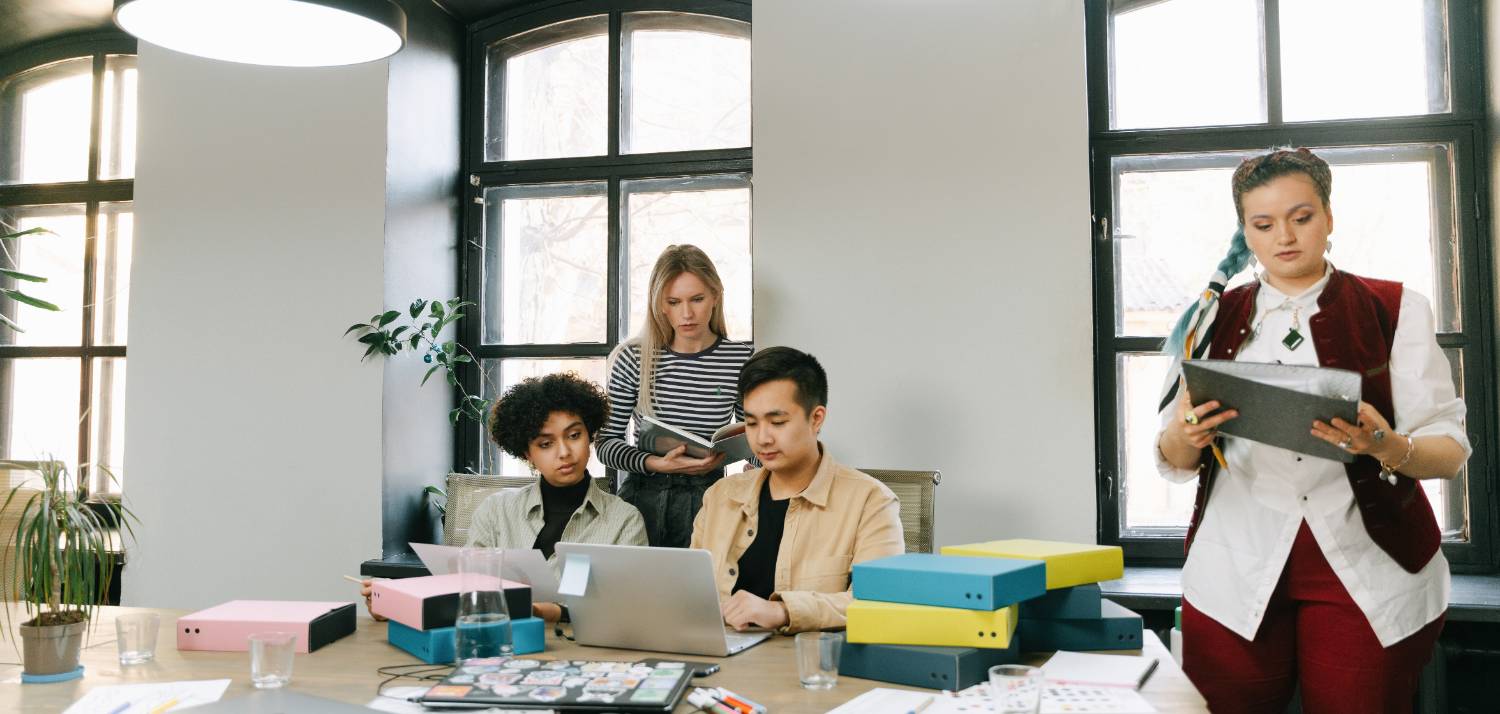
<point x="889" y="623"/>
<point x="1068" y="564"/>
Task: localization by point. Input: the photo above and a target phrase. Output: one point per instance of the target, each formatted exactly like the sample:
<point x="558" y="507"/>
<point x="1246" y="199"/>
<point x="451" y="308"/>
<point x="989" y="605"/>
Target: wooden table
<point x="345" y="670"/>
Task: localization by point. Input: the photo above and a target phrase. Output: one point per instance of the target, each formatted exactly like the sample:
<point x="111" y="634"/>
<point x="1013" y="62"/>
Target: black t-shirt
<point x="558" y="505"/>
<point x="758" y="564"/>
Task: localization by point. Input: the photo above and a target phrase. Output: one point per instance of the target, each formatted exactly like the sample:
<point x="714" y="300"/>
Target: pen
<point x="165" y="706"/>
<point x="918" y="709"/>
<point x="739" y="702"/>
<point x="699" y="698"/>
<point x="733" y="704"/>
<point x="122" y="707"/>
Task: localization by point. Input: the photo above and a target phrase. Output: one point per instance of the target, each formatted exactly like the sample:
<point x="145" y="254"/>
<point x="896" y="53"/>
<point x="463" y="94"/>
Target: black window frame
<point x="611" y="168"/>
<point x="92" y="193"/>
<point x="1463" y="127"/>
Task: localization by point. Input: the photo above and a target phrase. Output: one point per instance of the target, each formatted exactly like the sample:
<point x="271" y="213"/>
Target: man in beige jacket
<point x="784" y="537"/>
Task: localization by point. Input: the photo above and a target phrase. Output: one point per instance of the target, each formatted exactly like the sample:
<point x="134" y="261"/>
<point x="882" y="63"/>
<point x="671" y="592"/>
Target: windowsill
<point x="1475" y="598"/>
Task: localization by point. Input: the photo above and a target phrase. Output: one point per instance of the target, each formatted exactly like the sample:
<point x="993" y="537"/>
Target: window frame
<point x="92" y="193"/>
<point x="1463" y="127"/>
<point x="613" y="168"/>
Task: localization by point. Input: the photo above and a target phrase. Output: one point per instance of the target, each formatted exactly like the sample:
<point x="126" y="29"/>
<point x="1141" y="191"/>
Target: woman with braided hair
<point x="1303" y="570"/>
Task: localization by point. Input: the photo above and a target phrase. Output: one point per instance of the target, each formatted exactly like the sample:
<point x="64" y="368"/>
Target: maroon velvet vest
<point x="1354" y="329"/>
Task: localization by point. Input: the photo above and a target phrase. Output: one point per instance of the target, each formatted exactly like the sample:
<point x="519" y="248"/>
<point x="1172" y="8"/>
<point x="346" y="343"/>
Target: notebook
<point x="1098" y="670"/>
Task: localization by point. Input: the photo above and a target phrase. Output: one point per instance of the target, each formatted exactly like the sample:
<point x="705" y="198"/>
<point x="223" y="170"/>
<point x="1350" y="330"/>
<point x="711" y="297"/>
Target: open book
<point x="659" y="437"/>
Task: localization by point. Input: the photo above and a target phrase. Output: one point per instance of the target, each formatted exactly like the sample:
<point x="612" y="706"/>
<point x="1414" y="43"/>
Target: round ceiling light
<point x="286" y="33"/>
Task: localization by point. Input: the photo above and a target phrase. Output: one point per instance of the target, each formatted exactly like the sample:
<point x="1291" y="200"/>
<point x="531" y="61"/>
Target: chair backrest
<point x="12" y="474"/>
<point x="467" y="491"/>
<point x="915" y="491"/>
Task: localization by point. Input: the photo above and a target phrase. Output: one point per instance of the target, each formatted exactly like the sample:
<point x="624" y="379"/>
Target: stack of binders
<point x="422" y="612"/>
<point x="936" y="621"/>
<point x="1071" y="615"/>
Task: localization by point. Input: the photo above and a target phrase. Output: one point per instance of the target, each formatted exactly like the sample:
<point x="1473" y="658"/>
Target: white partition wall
<point x="922" y="226"/>
<point x="253" y="430"/>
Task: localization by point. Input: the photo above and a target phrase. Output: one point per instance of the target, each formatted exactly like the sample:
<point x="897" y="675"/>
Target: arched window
<point x="67" y="164"/>
<point x="596" y="137"/>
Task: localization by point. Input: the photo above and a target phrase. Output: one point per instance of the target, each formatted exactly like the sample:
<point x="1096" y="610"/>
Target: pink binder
<point x="225" y="628"/>
<point x="431" y="601"/>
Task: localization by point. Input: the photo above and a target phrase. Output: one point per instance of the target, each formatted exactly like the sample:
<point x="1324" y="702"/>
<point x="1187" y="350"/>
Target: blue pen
<point x="119" y="709"/>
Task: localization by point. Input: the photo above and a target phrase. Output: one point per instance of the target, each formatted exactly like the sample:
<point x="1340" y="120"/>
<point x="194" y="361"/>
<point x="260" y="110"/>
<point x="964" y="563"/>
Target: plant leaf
<point x="360" y="326"/>
<point x="21" y="297"/>
<point x="437" y="309"/>
<point x="436" y="328"/>
<point x="415" y="340"/>
<point x="434" y="368"/>
<point x="452" y="378"/>
<point x="18" y="275"/>
<point x="396" y="333"/>
<point x="9" y="322"/>
<point x="370" y="351"/>
<point x="416" y="307"/>
<point x="373" y="338"/>
<point x="30" y="231"/>
<point x="453" y="416"/>
<point x="462" y="358"/>
<point x="388" y="317"/>
<point x="450" y="347"/>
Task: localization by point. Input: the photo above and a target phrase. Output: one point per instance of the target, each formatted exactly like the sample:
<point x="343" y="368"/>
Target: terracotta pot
<point x="51" y="649"/>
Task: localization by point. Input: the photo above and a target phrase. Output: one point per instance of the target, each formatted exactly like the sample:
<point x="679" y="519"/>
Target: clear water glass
<point x="271" y="659"/>
<point x="482" y="628"/>
<point x="818" y="658"/>
<point x="1016" y="689"/>
<point x="135" y="635"/>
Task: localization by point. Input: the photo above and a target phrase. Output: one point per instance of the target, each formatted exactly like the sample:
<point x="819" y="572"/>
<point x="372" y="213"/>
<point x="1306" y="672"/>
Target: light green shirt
<point x="512" y="519"/>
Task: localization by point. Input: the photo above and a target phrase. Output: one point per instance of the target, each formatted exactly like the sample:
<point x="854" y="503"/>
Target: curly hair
<point x="517" y="417"/>
<point x="1258" y="171"/>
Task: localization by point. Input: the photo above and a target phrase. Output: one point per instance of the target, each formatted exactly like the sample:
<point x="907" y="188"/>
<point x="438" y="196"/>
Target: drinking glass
<point x="818" y="658"/>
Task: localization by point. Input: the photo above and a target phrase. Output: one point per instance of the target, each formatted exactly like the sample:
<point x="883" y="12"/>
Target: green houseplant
<point x="59" y="561"/>
<point x="12" y="276"/>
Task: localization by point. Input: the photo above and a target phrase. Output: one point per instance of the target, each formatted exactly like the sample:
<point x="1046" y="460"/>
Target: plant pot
<point x="51" y="649"/>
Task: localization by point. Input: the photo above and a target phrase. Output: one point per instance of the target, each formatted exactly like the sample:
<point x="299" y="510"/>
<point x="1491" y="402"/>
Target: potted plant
<point x="58" y="561"/>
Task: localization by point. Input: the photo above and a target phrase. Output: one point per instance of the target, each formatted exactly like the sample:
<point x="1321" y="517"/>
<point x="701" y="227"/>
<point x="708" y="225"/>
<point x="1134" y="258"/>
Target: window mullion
<point x="615" y="97"/>
<point x="1271" y="15"/>
<point x="85" y="363"/>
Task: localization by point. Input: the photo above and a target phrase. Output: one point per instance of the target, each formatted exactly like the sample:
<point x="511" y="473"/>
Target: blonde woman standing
<point x="684" y="370"/>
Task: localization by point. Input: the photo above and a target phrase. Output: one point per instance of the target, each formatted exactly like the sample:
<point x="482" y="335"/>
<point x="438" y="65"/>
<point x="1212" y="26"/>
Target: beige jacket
<point x="843" y="517"/>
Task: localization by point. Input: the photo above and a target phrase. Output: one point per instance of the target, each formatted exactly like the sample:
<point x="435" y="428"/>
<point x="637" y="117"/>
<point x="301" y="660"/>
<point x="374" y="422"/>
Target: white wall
<point x="922" y="227"/>
<point x="253" y="429"/>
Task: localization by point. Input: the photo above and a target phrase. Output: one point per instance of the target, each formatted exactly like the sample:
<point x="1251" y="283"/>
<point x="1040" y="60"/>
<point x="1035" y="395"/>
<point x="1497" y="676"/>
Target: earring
<point x="532" y="468"/>
<point x="1328" y="247"/>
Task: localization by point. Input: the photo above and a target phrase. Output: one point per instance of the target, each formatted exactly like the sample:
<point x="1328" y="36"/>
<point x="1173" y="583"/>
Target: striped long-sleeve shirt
<point x="698" y="392"/>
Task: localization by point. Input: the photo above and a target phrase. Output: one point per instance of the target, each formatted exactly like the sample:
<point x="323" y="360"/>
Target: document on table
<point x="523" y="565"/>
<point x="143" y="698"/>
<point x="882" y="700"/>
<point x="1056" y="699"/>
<point x="395" y="700"/>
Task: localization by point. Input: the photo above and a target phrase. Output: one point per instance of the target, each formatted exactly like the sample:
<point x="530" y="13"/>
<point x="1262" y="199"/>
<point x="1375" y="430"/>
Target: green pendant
<point x="1293" y="339"/>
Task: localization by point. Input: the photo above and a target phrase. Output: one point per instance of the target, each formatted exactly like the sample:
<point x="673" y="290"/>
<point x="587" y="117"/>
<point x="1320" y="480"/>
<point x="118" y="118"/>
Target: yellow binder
<point x="889" y="623"/>
<point x="1068" y="564"/>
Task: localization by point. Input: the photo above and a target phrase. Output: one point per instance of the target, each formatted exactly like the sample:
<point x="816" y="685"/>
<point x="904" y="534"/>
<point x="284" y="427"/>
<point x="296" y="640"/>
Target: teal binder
<point x="1076" y="603"/>
<point x="527" y="636"/>
<point x="1117" y="629"/>
<point x="949" y="580"/>
<point x="949" y="668"/>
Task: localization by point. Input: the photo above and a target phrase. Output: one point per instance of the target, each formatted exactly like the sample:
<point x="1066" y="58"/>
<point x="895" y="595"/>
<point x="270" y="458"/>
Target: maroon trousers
<point x="1313" y="633"/>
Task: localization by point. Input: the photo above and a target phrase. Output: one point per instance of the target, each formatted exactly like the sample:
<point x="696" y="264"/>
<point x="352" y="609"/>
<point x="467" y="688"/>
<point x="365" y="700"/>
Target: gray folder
<point x="1278" y="402"/>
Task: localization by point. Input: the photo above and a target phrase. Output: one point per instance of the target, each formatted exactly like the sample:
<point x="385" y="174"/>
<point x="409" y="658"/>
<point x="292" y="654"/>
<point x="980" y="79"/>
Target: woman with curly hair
<point x="550" y="423"/>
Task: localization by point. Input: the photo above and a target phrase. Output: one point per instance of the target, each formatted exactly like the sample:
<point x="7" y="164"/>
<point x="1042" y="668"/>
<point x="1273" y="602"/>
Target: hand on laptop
<point x="745" y="610"/>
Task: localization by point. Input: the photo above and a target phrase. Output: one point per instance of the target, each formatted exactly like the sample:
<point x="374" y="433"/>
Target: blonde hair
<point x="657" y="332"/>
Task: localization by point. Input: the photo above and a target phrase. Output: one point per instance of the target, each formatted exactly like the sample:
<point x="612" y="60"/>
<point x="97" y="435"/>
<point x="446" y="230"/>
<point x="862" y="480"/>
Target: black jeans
<point x="668" y="503"/>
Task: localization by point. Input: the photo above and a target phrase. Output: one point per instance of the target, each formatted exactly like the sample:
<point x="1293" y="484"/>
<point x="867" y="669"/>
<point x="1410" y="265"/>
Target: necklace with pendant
<point x="1293" y="338"/>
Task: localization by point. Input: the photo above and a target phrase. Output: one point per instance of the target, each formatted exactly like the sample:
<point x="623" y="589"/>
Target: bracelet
<point x="1387" y="471"/>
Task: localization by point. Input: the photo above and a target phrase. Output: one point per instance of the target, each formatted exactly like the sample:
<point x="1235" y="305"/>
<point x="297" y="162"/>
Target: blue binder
<point x="949" y="668"/>
<point x="1076" y="603"/>
<point x="949" y="580"/>
<point x="1118" y="629"/>
<point x="527" y="636"/>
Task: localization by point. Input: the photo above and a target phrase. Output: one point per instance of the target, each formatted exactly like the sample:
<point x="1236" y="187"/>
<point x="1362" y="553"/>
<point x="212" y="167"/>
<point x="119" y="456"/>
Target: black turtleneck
<point x="558" y="505"/>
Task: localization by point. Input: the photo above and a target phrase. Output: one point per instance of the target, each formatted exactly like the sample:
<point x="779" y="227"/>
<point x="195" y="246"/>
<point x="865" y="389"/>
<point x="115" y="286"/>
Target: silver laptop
<point x="657" y="599"/>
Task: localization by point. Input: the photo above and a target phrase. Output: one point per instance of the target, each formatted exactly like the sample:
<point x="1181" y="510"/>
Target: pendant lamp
<point x="285" y="33"/>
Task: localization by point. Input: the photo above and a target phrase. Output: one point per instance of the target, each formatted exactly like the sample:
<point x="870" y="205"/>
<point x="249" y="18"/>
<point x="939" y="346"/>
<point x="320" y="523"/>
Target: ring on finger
<point x="1190" y="418"/>
<point x="1378" y="436"/>
<point x="1346" y="444"/>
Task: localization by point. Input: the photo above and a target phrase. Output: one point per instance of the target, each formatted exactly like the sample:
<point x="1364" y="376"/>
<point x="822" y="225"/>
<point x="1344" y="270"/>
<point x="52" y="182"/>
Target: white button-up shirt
<point x="1258" y="504"/>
